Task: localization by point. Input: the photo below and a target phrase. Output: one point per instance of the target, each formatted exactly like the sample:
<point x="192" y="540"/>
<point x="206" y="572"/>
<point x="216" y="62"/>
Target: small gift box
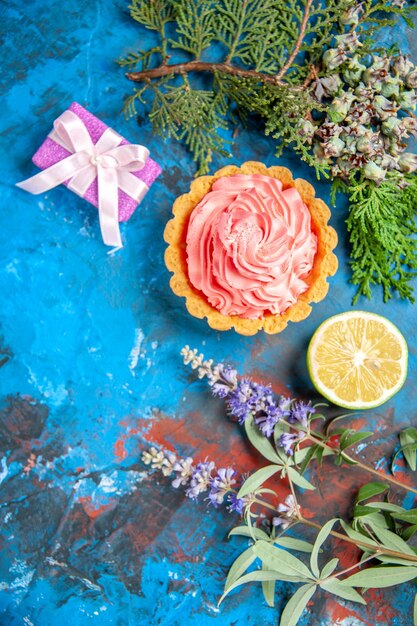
<point x="97" y="163"/>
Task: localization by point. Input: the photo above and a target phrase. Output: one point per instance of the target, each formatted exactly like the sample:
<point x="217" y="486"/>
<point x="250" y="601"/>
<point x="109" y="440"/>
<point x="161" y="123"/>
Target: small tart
<point x="324" y="263"/>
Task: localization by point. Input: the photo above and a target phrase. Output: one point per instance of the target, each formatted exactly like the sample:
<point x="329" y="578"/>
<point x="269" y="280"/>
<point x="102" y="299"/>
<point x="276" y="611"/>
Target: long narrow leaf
<point x="329" y="568"/>
<point x="239" y="566"/>
<point x="385" y="558"/>
<point x="268" y="589"/>
<point x="280" y="560"/>
<point x="380" y="577"/>
<point x="260" y="575"/>
<point x="257" y="479"/>
<point x="407" y="516"/>
<point x="259" y="441"/>
<point x="354" y="534"/>
<point x="294" y="544"/>
<point x="296" y="605"/>
<point x="299" y="480"/>
<point x="321" y="538"/>
<point x="370" y="490"/>
<point x="392" y="541"/>
<point x="407" y="437"/>
<point x="350" y="440"/>
<point x="246" y="531"/>
<point x="387" y="506"/>
<point x="337" y="588"/>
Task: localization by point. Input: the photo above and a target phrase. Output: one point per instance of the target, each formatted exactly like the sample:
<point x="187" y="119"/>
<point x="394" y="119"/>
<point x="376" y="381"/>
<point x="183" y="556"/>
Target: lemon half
<point x="357" y="360"/>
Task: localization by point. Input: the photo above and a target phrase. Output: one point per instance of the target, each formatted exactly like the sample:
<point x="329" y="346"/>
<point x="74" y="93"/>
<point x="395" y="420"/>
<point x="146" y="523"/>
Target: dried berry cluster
<point x="369" y="117"/>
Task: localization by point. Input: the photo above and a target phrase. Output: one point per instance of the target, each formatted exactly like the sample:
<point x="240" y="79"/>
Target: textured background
<point x="91" y="369"/>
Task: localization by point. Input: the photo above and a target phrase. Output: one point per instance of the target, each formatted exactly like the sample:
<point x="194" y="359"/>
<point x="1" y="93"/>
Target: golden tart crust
<point x="325" y="261"/>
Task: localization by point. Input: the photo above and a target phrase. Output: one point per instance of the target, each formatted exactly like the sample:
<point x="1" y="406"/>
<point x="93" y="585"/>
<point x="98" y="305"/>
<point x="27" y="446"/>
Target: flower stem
<point x="349" y="569"/>
<point x="363" y="466"/>
<point x="362" y="544"/>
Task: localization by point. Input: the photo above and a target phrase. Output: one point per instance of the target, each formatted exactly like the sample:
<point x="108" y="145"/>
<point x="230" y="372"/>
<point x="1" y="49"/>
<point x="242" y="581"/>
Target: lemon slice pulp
<point x="357" y="360"/>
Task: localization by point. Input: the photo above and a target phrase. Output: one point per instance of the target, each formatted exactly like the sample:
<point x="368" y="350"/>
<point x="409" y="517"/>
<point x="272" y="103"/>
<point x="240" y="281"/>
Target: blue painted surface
<point x="92" y="368"/>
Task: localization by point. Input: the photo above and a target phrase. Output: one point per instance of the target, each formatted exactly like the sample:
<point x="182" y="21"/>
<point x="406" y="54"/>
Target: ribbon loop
<point x="107" y="161"/>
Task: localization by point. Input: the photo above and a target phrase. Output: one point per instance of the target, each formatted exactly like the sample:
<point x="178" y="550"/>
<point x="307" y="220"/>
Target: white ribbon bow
<point x="106" y="160"/>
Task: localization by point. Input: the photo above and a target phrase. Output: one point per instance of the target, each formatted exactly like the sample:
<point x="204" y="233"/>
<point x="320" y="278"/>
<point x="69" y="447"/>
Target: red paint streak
<point x="377" y="602"/>
<point x="119" y="449"/>
<point x="93" y="509"/>
<point x="180" y="556"/>
<point x="338" y="613"/>
<point x="378" y="610"/>
<point x="226" y="447"/>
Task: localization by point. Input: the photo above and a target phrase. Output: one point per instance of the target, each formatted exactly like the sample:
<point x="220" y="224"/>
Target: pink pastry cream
<point x="250" y="246"/>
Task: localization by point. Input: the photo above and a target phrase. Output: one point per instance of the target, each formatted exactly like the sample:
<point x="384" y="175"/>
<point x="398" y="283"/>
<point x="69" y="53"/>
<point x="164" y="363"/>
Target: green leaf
<point x="407" y="533"/>
<point x="246" y="531"/>
<point x="294" y="544"/>
<point x="239" y="566"/>
<point x="296" y="605"/>
<point x="406" y="516"/>
<point x="392" y="541"/>
<point x="329" y="568"/>
<point x="409" y="436"/>
<point x="370" y="490"/>
<point x="385" y="558"/>
<point x="409" y="450"/>
<point x="259" y="441"/>
<point x="259" y="575"/>
<point x="337" y="588"/>
<point x="374" y="520"/>
<point x="280" y="560"/>
<point x="309" y="456"/>
<point x="299" y="480"/>
<point x="348" y="439"/>
<point x="354" y="534"/>
<point x="386" y="506"/>
<point x="321" y="538"/>
<point x="380" y="577"/>
<point x="257" y="479"/>
<point x="268" y="589"/>
<point x="361" y="511"/>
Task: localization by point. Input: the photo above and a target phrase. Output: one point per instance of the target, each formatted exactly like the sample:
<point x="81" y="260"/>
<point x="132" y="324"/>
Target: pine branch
<point x="297" y="46"/>
<point x="195" y="26"/>
<point x="202" y="66"/>
<point x="381" y="226"/>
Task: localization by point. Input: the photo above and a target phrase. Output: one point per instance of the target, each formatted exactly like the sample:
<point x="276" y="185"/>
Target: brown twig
<point x="202" y="66"/>
<point x="367" y="468"/>
<point x="227" y="68"/>
<point x="377" y="550"/>
<point x="298" y="43"/>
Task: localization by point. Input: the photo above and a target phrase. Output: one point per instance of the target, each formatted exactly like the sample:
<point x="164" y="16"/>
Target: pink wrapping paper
<point x="51" y="152"/>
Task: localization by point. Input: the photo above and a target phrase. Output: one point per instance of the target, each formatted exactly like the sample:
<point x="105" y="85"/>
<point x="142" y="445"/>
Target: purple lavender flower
<point x="200" y="479"/>
<point x="300" y="412"/>
<point x="222" y="380"/>
<point x="236" y="504"/>
<point x="287" y="512"/>
<point x="250" y="398"/>
<point x="183" y="469"/>
<point x="221" y="485"/>
<point x="272" y="413"/>
<point x="287" y="441"/>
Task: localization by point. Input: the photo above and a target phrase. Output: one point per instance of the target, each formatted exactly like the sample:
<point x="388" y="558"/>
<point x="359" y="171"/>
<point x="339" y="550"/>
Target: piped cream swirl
<point x="250" y="246"/>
